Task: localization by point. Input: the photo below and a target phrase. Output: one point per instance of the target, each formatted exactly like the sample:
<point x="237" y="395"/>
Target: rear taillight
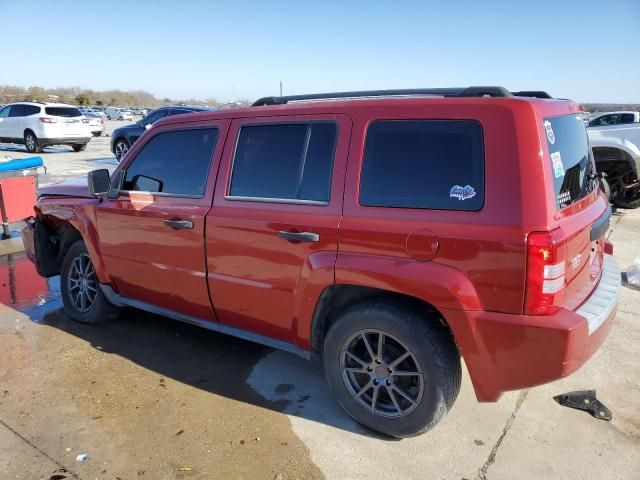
<point x="48" y="120"/>
<point x="546" y="260"/>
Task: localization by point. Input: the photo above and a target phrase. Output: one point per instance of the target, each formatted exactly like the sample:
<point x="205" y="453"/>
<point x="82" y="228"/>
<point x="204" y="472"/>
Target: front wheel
<point x="391" y="368"/>
<point x="31" y="142"/>
<point x="79" y="147"/>
<point x="82" y="296"/>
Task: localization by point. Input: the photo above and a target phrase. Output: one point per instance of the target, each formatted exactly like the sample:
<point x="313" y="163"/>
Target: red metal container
<point x="17" y="195"/>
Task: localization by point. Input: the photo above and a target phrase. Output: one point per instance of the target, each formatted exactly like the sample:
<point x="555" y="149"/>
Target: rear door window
<point x="30" y="110"/>
<point x="173" y="163"/>
<point x="289" y="162"/>
<point x="626" y="118"/>
<point x="68" y="112"/>
<point x="429" y="164"/>
<point x="571" y="162"/>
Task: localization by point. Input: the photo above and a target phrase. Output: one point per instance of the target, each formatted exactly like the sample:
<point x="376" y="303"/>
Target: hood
<point x="133" y="127"/>
<point x="73" y="187"/>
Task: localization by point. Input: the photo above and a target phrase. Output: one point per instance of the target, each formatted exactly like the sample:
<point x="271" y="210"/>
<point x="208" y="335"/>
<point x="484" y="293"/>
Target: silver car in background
<point x="96" y="123"/>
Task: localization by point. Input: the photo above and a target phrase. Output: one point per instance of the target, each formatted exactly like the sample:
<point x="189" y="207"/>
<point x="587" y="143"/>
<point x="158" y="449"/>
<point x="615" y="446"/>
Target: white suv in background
<point x="36" y="125"/>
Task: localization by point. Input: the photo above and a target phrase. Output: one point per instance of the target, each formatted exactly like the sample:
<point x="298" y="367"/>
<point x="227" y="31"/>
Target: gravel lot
<point x="149" y="398"/>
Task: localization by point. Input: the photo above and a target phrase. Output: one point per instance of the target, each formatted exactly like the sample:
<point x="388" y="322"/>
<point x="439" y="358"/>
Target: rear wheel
<point x="391" y="369"/>
<point x="82" y="296"/>
<point x="79" y="147"/>
<point x="97" y="134"/>
<point x="31" y="142"/>
<point x="121" y="147"/>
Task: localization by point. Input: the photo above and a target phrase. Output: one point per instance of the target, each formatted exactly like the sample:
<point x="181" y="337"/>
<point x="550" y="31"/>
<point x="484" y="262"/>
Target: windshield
<point x="63" y="111"/>
<point x="570" y="158"/>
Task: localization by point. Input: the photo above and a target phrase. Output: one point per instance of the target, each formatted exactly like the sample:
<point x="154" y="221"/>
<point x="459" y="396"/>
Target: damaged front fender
<point x="48" y="236"/>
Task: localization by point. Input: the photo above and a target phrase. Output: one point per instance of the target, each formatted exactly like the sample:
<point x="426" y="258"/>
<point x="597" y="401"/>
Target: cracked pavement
<point x="149" y="398"/>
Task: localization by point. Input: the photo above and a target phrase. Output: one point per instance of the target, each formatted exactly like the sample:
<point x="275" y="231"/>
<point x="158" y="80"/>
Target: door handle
<point x="179" y="224"/>
<point x="299" y="236"/>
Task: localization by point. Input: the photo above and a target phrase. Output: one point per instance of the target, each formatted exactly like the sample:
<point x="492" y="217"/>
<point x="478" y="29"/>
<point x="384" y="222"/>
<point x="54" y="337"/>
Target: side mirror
<point x="99" y="182"/>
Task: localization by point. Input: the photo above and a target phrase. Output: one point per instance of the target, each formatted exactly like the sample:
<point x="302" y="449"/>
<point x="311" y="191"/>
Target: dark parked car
<point x="122" y="138"/>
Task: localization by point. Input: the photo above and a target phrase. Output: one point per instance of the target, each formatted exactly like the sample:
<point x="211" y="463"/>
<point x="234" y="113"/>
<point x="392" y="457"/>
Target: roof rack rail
<point x="444" y="92"/>
<point x="532" y="93"/>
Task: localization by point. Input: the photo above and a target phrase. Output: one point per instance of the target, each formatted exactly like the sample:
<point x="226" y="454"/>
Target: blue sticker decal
<point x="462" y="193"/>
<point x="549" y="129"/>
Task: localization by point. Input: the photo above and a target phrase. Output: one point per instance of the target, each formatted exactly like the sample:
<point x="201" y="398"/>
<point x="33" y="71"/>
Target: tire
<point x="120" y="147"/>
<point x="79" y="147"/>
<point x="97" y="134"/>
<point x="94" y="309"/>
<point x="432" y="355"/>
<point x="31" y="142"/>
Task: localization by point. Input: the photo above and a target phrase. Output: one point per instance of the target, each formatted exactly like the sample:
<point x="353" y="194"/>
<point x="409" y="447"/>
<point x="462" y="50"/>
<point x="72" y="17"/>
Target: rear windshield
<point x="571" y="162"/>
<point x="63" y="111"/>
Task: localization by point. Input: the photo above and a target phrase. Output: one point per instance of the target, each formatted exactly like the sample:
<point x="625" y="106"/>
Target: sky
<point x="586" y="50"/>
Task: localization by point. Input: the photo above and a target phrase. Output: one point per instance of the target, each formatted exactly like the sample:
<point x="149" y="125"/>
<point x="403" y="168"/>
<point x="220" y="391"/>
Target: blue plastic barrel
<point x="21" y="164"/>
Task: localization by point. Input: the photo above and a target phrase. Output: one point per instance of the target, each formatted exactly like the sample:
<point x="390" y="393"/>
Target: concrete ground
<point x="150" y="398"/>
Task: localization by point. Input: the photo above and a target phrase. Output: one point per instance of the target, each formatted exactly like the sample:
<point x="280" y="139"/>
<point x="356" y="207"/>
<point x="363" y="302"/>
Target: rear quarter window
<point x="428" y="164"/>
<point x="63" y="111"/>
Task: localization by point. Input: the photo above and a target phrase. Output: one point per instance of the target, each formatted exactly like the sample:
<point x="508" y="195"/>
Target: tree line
<point x="142" y="98"/>
<point x="611" y="107"/>
<point x="88" y="97"/>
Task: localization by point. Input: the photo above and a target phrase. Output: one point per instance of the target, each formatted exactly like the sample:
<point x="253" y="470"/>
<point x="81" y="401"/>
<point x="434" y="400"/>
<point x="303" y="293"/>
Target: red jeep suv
<point x="389" y="232"/>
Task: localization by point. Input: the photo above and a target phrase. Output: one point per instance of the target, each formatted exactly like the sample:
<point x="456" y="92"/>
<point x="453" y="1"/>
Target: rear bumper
<point x="509" y="352"/>
<point x="64" y="140"/>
